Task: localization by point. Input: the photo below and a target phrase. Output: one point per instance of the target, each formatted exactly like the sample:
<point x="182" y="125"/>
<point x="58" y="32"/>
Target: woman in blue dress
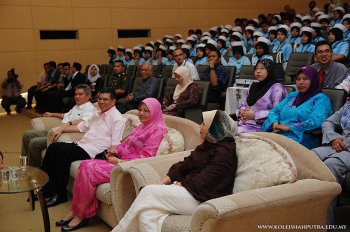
<point x="273" y="35"/>
<point x="248" y="34"/>
<point x="256" y="36"/>
<point x="301" y="111"/>
<point x="339" y="47"/>
<point x="306" y="41"/>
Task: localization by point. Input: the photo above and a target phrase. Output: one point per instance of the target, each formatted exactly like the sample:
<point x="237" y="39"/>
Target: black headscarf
<point x="258" y="89"/>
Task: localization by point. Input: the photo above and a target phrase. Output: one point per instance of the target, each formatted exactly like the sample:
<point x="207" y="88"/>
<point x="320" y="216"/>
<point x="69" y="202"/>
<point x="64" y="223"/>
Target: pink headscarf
<point x="156" y="114"/>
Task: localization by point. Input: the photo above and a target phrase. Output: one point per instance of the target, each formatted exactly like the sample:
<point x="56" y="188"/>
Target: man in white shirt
<point x="180" y="60"/>
<point x="34" y="141"/>
<point x="102" y="131"/>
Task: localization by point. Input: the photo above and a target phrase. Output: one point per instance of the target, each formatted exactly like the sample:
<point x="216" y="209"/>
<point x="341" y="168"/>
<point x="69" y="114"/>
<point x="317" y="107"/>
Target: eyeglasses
<point x="324" y="52"/>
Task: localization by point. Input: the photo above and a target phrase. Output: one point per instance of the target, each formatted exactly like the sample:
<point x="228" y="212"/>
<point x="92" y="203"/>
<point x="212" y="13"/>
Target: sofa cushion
<point x="172" y="142"/>
<point x="261" y="163"/>
<point x="132" y="121"/>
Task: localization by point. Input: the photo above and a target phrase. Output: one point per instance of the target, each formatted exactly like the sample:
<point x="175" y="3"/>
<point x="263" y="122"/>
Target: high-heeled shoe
<point x="83" y="223"/>
<point x="62" y="222"/>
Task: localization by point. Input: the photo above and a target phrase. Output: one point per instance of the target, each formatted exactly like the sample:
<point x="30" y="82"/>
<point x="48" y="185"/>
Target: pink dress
<point x="142" y="142"/>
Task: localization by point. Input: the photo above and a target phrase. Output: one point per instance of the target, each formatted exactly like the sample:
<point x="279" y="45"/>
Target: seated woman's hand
<point x="248" y="115"/>
<point x="113" y="160"/>
<point x="339" y="145"/>
<point x="275" y="128"/>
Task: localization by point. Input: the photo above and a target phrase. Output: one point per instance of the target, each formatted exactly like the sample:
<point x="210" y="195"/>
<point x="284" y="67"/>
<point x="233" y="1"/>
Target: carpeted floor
<point x="15" y="214"/>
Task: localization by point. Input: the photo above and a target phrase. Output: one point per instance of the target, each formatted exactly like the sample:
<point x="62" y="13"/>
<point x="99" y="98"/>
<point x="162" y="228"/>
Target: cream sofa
<point x="304" y="201"/>
<point x="189" y="139"/>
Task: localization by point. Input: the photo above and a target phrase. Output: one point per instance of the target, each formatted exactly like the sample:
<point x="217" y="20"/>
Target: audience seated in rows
<point x="94" y="80"/>
<point x="41" y="97"/>
<point x="217" y="76"/>
<point x="34" y="141"/>
<point x="42" y="80"/>
<point x="180" y="60"/>
<point x="184" y="95"/>
<point x="301" y="111"/>
<point x="143" y="142"/>
<point x="147" y="89"/>
<point x="261" y="98"/>
<point x="56" y="96"/>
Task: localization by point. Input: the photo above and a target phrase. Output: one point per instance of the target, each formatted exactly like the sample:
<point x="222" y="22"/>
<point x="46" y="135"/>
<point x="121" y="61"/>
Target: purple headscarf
<point x="314" y="89"/>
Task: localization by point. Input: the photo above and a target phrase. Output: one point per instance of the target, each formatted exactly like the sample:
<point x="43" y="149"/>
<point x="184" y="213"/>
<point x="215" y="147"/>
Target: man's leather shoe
<point x="55" y="200"/>
<point x="62" y="222"/>
<point x="83" y="223"/>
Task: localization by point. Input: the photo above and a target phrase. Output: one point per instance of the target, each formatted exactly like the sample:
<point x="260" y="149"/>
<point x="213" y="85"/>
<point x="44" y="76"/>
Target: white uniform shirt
<point x="83" y="112"/>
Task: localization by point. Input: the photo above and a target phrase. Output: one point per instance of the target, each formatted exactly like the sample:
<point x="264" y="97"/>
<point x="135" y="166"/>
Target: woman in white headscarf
<point x="183" y="96"/>
<point x="94" y="79"/>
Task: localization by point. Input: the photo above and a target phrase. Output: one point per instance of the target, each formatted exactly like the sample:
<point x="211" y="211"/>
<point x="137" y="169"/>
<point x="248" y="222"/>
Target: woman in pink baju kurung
<point x="142" y="142"/>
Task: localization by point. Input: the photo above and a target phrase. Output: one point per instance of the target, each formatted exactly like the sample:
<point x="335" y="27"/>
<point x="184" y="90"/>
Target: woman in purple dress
<point x="261" y="98"/>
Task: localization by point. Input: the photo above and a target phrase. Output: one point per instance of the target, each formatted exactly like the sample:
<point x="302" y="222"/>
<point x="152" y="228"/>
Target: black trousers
<point x="19" y="101"/>
<point x="56" y="164"/>
<point x="31" y="93"/>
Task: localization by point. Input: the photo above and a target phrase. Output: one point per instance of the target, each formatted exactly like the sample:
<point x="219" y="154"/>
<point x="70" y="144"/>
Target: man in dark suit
<point x="42" y="95"/>
<point x="55" y="98"/>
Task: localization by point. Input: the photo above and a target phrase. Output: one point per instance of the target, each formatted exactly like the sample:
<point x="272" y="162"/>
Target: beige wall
<point x="98" y="21"/>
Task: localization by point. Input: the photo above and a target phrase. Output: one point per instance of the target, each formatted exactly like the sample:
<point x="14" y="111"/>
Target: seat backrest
<point x="201" y="69"/>
<point x="159" y="88"/>
<point x="203" y="87"/>
<point x="290" y="88"/>
<point x="170" y="84"/>
<point x="110" y="70"/>
<point x="130" y="73"/>
<point x="156" y="70"/>
<point x="277" y="57"/>
<point x="103" y="69"/>
<point x="247" y="72"/>
<point x="295" y="62"/>
<point x="137" y="83"/>
<point x="337" y="97"/>
<point x="167" y="71"/>
<point x="231" y="71"/>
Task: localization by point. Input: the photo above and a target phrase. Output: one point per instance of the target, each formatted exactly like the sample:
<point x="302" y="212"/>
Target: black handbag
<point x="101" y="155"/>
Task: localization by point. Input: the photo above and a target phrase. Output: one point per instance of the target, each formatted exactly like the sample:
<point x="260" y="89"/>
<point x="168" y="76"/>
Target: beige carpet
<point x="15" y="214"/>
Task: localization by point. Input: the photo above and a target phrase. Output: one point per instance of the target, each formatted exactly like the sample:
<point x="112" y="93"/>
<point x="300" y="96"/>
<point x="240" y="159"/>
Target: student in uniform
<point x="201" y="58"/>
<point x="262" y="50"/>
<point x="138" y="56"/>
<point x="324" y="21"/>
<point x="148" y="54"/>
<point x="120" y="54"/>
<point x="248" y="34"/>
<point x="191" y="41"/>
<point x="294" y="38"/>
<point x="111" y="54"/>
<point x="161" y="58"/>
<point x="339" y="47"/>
<point x="306" y="41"/>
<point x="338" y="16"/>
<point x="238" y="58"/>
<point x="235" y="37"/>
<point x="128" y="58"/>
<point x="283" y="46"/>
<point x="222" y="45"/>
<point x="316" y="35"/>
<point x="256" y="35"/>
<point x="186" y="49"/>
<point x="346" y="23"/>
<point x="273" y="35"/>
<point x="170" y="57"/>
